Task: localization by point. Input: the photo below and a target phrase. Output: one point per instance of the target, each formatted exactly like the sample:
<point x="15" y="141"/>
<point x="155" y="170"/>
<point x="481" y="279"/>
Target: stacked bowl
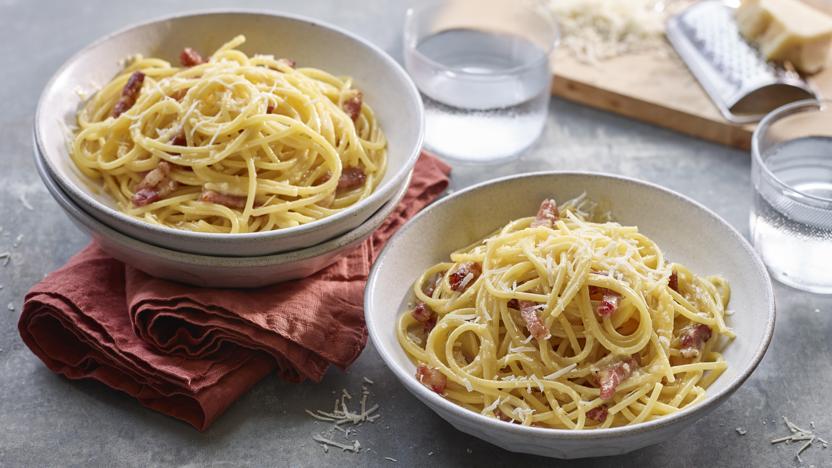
<point x="228" y="260"/>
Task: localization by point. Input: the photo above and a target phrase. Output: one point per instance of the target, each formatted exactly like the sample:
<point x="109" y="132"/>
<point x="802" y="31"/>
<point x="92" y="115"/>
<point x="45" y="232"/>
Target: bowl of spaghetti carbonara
<point x="570" y="314"/>
<point x="235" y="134"/>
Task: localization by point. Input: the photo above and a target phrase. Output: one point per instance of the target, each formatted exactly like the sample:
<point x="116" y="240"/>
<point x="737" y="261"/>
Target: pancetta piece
<point x="129" y="93"/>
<point x="608" y="304"/>
<point x="431" y="378"/>
<point x="352" y="105"/>
<point x="599" y="413"/>
<point x="536" y="328"/>
<point x="547" y="214"/>
<point x="351" y="178"/>
<point x="155" y="185"/>
<point x="692" y="338"/>
<point x="231" y="201"/>
<point x="464" y="275"/>
<point x="611" y="377"/>
<point x="673" y="282"/>
<point x="190" y="58"/>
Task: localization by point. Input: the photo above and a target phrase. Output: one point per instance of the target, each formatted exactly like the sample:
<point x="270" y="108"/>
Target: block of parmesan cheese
<point x="787" y="31"/>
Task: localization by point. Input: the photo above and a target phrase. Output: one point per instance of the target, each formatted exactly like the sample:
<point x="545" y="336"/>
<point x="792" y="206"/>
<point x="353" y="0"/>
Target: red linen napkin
<point x="190" y="352"/>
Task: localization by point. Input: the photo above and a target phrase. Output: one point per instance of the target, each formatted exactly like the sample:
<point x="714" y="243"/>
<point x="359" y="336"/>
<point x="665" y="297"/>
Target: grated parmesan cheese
<point x="561" y="372"/>
<point x="798" y="434"/>
<point x="342" y="414"/>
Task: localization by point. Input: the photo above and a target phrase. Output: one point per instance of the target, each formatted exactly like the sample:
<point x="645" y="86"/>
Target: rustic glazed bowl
<point x="215" y="271"/>
<point x="386" y="87"/>
<point x="686" y="231"/>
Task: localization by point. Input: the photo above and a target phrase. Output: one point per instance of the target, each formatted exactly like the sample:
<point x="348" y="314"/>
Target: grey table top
<point x="48" y="420"/>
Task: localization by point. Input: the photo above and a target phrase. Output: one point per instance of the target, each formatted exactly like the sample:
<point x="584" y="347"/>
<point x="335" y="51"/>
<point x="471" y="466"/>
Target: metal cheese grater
<point x="742" y="84"/>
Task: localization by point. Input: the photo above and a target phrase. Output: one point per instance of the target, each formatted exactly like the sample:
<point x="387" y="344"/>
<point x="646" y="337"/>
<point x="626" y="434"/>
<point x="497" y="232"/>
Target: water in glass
<point x="485" y="93"/>
<point x="792" y="226"/>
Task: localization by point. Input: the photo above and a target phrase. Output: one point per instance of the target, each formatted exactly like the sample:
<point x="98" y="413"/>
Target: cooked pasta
<point x="567" y="320"/>
<point x="230" y="144"/>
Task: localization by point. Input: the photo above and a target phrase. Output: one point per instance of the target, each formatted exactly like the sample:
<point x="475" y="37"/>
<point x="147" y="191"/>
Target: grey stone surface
<point x="47" y="420"/>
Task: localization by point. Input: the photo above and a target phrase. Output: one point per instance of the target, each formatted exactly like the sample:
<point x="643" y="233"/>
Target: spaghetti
<point x="230" y="144"/>
<point x="567" y="320"/>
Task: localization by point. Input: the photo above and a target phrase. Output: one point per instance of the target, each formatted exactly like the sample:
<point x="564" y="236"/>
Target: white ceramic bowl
<point x="213" y="271"/>
<point x="686" y="231"/>
<point x="386" y="87"/>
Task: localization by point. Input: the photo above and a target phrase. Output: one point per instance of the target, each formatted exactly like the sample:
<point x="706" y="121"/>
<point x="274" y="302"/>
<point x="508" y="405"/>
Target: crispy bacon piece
<point x="464" y="275"/>
<point x="609" y="304"/>
<point x="352" y="105"/>
<point x="421" y="312"/>
<point x="599" y="413"/>
<point x="692" y="338"/>
<point x="431" y="378"/>
<point x="155" y="185"/>
<point x="190" y="58"/>
<point x="351" y="178"/>
<point x="129" y="93"/>
<point x="611" y="377"/>
<point x="673" y="282"/>
<point x="231" y="201"/>
<point x="528" y="312"/>
<point x="513" y="304"/>
<point x="547" y="214"/>
<point x="270" y="108"/>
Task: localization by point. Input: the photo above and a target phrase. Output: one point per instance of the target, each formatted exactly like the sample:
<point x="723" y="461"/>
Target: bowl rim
<point x="352" y="237"/>
<point x="491" y="424"/>
<point x="395" y="179"/>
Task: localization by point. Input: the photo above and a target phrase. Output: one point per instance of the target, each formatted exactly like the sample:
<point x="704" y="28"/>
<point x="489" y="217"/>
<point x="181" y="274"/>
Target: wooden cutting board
<point x="656" y="87"/>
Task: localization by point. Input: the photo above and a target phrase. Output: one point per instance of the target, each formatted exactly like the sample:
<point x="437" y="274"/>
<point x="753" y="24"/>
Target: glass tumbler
<point x="791" y="173"/>
<point x="483" y="70"/>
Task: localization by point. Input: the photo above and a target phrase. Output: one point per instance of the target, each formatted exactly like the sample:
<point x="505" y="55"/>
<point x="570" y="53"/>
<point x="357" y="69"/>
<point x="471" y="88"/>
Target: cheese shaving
<point x="560" y="373"/>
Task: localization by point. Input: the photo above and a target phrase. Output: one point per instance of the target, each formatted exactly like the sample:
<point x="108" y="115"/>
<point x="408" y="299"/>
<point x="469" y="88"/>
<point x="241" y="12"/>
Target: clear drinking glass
<point x="791" y="171"/>
<point x="483" y="70"/>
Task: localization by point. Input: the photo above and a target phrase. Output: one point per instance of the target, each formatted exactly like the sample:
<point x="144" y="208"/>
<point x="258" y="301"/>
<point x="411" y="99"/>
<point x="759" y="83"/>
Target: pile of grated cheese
<point x="597" y="30"/>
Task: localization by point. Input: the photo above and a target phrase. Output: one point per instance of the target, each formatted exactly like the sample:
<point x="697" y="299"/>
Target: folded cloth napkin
<point x="190" y="352"/>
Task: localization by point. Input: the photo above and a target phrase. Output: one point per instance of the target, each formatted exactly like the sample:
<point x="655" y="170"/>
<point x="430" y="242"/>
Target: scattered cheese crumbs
<point x="25" y="202"/>
<point x="355" y="447"/>
<point x="6" y="256"/>
<point x="430" y="454"/>
<point x="341" y="414"/>
<point x="741" y="431"/>
<point x="17" y="240"/>
<point x="799" y="434"/>
<point x="391" y="459"/>
<point x="560" y="373"/>
<point x="368" y="381"/>
<point x="11" y="306"/>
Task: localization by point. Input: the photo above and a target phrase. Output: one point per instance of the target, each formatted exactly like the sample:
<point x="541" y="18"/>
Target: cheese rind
<point x="788" y="31"/>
